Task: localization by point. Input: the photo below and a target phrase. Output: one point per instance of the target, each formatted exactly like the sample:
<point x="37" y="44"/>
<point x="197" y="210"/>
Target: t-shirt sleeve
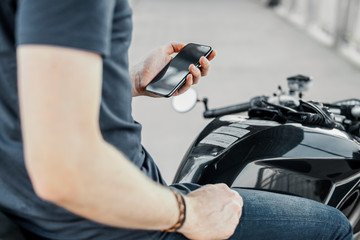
<point x="80" y="24"/>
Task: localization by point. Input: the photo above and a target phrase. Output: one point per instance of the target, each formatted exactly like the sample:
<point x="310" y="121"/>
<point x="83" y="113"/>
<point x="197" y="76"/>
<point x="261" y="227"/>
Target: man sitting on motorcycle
<point x="84" y="173"/>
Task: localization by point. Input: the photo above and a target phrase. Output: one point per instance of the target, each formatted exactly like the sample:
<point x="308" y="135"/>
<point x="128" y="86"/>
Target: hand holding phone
<point x="174" y="74"/>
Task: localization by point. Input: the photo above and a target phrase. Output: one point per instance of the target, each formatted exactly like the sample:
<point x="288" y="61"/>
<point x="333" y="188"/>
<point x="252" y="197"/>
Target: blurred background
<point x="259" y="44"/>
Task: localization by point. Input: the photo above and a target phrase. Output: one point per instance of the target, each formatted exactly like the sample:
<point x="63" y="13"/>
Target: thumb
<point x="174" y="47"/>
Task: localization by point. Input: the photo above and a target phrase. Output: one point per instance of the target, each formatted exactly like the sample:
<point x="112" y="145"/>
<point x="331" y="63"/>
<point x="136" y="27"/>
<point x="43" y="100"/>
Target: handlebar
<point x="227" y="110"/>
<point x="349" y="112"/>
<point x="346" y="115"/>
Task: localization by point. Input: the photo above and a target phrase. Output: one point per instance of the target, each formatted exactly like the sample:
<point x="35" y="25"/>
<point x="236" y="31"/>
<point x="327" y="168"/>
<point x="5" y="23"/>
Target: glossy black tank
<point x="316" y="163"/>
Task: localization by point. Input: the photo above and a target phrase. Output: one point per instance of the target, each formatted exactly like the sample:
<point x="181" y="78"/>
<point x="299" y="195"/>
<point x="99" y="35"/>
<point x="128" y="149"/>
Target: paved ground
<point x="257" y="50"/>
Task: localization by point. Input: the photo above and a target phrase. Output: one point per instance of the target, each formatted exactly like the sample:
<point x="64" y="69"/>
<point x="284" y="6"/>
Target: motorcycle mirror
<point x="185" y="102"/>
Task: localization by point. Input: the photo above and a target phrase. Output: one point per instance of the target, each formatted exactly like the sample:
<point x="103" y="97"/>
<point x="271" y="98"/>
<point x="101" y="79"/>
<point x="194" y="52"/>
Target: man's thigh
<point x="276" y="216"/>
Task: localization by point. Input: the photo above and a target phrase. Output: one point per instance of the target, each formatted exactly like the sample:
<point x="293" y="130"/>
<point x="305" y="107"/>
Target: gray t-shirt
<point x="100" y="26"/>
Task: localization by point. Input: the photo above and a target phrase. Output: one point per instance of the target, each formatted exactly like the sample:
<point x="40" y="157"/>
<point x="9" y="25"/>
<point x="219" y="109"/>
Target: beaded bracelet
<point x="182" y="212"/>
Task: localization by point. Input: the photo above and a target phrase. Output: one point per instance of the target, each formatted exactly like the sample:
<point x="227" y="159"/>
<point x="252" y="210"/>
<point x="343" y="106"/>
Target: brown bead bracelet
<point x="182" y="212"/>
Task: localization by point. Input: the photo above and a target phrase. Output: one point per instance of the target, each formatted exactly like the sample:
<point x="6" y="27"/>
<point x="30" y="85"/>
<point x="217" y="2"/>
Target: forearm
<point x="107" y="188"/>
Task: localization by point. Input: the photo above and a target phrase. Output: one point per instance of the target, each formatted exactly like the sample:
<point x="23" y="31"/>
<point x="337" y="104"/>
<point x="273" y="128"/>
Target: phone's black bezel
<point x="181" y="82"/>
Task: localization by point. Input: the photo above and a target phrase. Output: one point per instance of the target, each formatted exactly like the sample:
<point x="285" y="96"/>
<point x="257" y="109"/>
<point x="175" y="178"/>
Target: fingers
<point x="238" y="198"/>
<point x="238" y="201"/>
<point x="212" y="55"/>
<point x="205" y="65"/>
<point x="196" y="73"/>
<point x="187" y="84"/>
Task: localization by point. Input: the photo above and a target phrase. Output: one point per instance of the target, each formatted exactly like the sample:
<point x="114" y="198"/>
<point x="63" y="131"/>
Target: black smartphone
<point x="174" y="74"/>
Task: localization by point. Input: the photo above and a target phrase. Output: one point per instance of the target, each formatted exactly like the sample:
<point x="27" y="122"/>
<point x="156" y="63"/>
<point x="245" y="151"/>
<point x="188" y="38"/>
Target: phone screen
<point x="173" y="75"/>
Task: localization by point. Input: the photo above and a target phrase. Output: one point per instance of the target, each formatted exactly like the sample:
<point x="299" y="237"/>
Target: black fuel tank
<point x="289" y="158"/>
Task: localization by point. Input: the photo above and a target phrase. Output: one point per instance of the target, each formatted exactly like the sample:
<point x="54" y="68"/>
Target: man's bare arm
<point x="68" y="161"/>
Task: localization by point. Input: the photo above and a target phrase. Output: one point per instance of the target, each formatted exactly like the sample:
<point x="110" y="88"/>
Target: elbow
<point x="49" y="193"/>
<point x="51" y="184"/>
<point x="57" y="163"/>
<point x="56" y="174"/>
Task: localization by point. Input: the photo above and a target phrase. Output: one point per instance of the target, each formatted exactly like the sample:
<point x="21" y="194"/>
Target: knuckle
<point x="197" y="73"/>
<point x="241" y="201"/>
<point x="203" y="73"/>
<point x="172" y="44"/>
<point x="235" y="221"/>
<point x="234" y="194"/>
<point x="229" y="233"/>
<point x="236" y="204"/>
<point x="222" y="186"/>
<point x="240" y="214"/>
<point x="209" y="186"/>
<point x="236" y="209"/>
<point x="205" y="64"/>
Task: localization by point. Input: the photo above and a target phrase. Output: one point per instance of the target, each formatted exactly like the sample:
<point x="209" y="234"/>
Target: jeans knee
<point x="339" y="225"/>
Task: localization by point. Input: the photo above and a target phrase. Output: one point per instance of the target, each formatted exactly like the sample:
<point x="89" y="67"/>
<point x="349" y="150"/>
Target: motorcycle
<point x="281" y="144"/>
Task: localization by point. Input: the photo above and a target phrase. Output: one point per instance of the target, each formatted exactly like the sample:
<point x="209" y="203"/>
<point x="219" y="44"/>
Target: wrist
<point x="181" y="205"/>
<point x="190" y="220"/>
<point x="135" y="79"/>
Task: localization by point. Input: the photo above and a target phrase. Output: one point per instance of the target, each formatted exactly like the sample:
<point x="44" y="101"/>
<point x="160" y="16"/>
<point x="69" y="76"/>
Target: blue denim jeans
<point x="271" y="216"/>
